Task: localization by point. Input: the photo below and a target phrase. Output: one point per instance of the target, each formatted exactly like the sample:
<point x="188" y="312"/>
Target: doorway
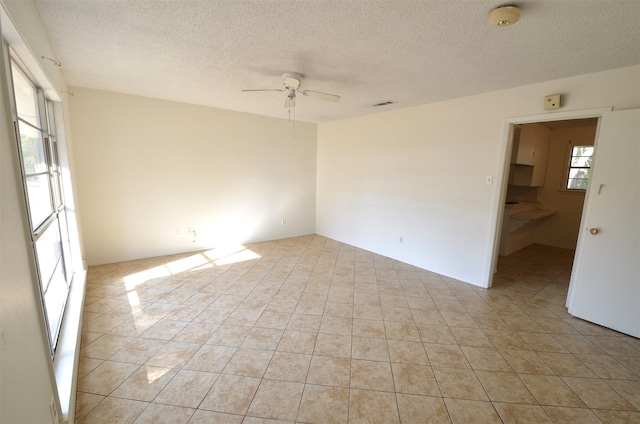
<point x="538" y="188"/>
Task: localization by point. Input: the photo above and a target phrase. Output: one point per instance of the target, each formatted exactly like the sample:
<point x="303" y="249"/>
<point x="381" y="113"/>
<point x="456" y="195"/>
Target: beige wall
<point x="561" y="230"/>
<point x="419" y="173"/>
<point x="147" y="167"/>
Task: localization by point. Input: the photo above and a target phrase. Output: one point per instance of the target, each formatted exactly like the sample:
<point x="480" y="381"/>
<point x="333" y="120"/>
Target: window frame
<point x="568" y="168"/>
<point x="59" y="279"/>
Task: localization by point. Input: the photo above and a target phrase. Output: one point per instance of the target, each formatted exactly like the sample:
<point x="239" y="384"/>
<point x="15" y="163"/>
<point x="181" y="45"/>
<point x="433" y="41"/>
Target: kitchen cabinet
<point x="529" y="155"/>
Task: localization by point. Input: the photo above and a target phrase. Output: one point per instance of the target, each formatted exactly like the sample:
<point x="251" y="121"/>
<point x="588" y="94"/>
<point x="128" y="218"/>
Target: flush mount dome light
<point x="504" y="16"/>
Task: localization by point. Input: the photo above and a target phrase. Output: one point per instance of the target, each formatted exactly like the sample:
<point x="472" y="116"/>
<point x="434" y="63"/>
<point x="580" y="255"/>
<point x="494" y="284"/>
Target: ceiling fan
<point x="291" y="82"/>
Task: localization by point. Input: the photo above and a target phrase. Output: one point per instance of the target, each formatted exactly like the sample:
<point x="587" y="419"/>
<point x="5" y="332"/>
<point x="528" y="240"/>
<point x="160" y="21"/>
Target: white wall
<point x="561" y="230"/>
<point x="419" y="173"/>
<point x="147" y="167"/>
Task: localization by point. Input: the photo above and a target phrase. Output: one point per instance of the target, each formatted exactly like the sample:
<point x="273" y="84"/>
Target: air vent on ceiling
<point x="383" y="104"/>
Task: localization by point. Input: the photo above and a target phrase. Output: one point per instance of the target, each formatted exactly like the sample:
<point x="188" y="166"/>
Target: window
<point x="43" y="193"/>
<point x="579" y="167"/>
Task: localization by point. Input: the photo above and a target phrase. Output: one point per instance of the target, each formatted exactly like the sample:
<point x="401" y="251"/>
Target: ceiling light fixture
<point x="504" y="16"/>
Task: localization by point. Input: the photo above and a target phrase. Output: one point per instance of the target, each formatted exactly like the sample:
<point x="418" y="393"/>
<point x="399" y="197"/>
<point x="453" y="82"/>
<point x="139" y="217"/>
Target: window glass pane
<point x="49" y="250"/>
<point x="26" y="98"/>
<point x="33" y="153"/>
<point x="39" y="193"/>
<point x="577" y="184"/>
<point x="583" y="151"/>
<point x="54" y="301"/>
<point x="579" y="173"/>
<point x="581" y="161"/>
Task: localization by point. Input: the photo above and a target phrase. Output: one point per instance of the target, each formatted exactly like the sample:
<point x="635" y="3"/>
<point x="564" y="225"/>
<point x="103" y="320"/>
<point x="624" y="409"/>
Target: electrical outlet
<point x="177" y="231"/>
<point x="401" y="240"/>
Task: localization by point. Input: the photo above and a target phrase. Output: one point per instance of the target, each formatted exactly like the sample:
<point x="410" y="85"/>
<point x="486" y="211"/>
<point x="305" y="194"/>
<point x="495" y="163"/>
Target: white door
<point x="605" y="282"/>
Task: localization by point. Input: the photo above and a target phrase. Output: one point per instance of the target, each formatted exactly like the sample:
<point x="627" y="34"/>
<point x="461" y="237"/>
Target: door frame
<point x="506" y="148"/>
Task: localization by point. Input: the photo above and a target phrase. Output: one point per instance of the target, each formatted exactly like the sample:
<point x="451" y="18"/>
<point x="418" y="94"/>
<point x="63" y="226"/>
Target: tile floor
<point x="309" y="330"/>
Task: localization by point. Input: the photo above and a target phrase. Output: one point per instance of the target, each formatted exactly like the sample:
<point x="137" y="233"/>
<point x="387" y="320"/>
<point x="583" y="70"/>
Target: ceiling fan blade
<point x="323" y="96"/>
<point x="263" y="89"/>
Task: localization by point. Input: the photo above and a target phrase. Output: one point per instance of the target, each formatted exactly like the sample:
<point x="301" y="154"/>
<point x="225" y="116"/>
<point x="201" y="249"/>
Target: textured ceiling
<point x="406" y="51"/>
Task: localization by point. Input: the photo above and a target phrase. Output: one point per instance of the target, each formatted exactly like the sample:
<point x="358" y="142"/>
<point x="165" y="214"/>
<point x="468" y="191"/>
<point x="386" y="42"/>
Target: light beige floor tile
<point x="407" y="331"/>
<point x="272" y="319"/>
<point x="364" y="311"/>
<point x="597" y="394"/>
<point x="213" y="315"/>
<point x="86" y="365"/>
<point x="298" y="342"/>
<point x="187" y="388"/>
<point x="551" y="390"/>
<point x="196" y="332"/>
<point x="521" y="414"/>
<point x="485" y="358"/>
<point x="506" y="340"/>
<point x="397" y="314"/>
<point x="329" y="371"/>
<point x="416" y="409"/>
<point x="85" y="402"/>
<point x="173" y="355"/>
<point x="336" y="325"/>
<point x="138" y="351"/>
<point x="407" y="352"/>
<point x="427" y="317"/>
<point x="541" y="342"/>
<point x="441" y="355"/>
<point x="561" y="415"/>
<point x="618" y="417"/>
<point x="459" y="383"/>
<point x="368" y="328"/>
<point x="231" y="394"/>
<point x="106" y="377"/>
<point x="333" y="345"/>
<point x="158" y="413"/>
<point x="578" y="344"/>
<point x="105" y="346"/>
<point x="414" y="379"/>
<point x="526" y="362"/>
<point x="288" y="367"/>
<point x="370" y="407"/>
<point x="369" y="348"/>
<point x="505" y="387"/>
<point x="276" y="400"/>
<point x="308" y="323"/>
<point x="246" y="317"/>
<point x="470" y="337"/>
<point x="210" y="358"/>
<point x="566" y="365"/>
<point x="229" y="335"/>
<point x="249" y="362"/>
<point x="262" y="338"/>
<point x="338" y="309"/>
<point x="324" y="405"/>
<point x="185" y="313"/>
<point x="145" y="383"/>
<point x="472" y="411"/>
<point x="436" y="334"/>
<point x="208" y="417"/>
<point x="605" y="366"/>
<point x="371" y="375"/>
<point x="628" y="389"/>
<point x="114" y="410"/>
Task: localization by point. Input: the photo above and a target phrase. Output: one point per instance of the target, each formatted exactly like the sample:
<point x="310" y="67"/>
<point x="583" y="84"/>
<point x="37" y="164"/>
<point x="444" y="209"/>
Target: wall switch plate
<point x="552" y="102"/>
